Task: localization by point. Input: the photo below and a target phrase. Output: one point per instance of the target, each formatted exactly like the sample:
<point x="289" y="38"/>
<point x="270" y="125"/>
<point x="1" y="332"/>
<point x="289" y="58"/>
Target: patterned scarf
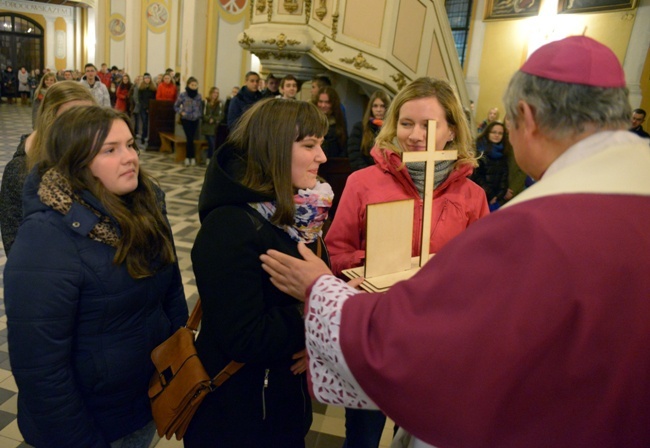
<point x="56" y="192"/>
<point x="440" y="173"/>
<point x="312" y="206"/>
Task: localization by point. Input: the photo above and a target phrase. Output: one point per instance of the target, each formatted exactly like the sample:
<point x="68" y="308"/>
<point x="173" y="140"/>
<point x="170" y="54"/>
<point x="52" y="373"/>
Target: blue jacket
<point x="241" y="103"/>
<point x="81" y="329"/>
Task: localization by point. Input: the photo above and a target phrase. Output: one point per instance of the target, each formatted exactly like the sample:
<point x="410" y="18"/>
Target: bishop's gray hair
<point x="563" y="110"/>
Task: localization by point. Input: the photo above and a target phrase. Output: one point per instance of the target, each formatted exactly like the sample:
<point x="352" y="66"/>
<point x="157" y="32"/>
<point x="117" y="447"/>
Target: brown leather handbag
<point x="180" y="382"/>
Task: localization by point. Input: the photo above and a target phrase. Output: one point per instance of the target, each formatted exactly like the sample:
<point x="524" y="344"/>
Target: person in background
<point x="67" y="75"/>
<point x="23" y="85"/>
<point x="104" y="75"/>
<point x="226" y="107"/>
<point x="245" y="98"/>
<point x="189" y="106"/>
<point x="33" y="81"/>
<point x="492" y="171"/>
<point x="317" y="83"/>
<point x="289" y="87"/>
<point x="457" y="202"/>
<point x="9" y="81"/>
<point x="336" y="139"/>
<point x="108" y="285"/>
<point x="146" y="93"/>
<point x="272" y="85"/>
<point x="46" y="82"/>
<point x="493" y="115"/>
<point x="550" y="357"/>
<point x="123" y="95"/>
<point x="212" y="115"/>
<point x="638" y="118"/>
<point x="362" y="137"/>
<point x="97" y="88"/>
<point x="261" y="191"/>
<point x="167" y="90"/>
<point x="60" y="97"/>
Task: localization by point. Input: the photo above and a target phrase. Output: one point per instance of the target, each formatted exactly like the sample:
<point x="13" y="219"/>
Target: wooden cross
<point x="429" y="157"/>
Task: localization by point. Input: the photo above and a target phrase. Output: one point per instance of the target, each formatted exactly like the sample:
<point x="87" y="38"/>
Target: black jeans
<point x="190" y="127"/>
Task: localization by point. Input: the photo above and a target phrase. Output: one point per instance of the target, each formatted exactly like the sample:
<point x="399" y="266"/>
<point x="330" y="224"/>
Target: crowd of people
<point x="459" y="355"/>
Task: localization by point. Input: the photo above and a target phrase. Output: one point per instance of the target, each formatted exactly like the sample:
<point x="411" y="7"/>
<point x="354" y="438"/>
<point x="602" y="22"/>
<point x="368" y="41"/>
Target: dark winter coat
<point x="241" y="103"/>
<point x="358" y="159"/>
<point x="492" y="171"/>
<point x="81" y="329"/>
<point x="246" y="319"/>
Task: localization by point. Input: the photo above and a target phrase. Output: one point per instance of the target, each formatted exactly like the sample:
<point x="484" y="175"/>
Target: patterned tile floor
<point x="182" y="186"/>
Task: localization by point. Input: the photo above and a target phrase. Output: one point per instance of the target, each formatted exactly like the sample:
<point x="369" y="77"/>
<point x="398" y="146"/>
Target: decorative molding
<point x="246" y="41"/>
<point x="321" y="11"/>
<point x="400" y="80"/>
<point x="307" y="11"/>
<point x="290" y="6"/>
<point x="322" y="46"/>
<point x="278" y="56"/>
<point x="281" y="41"/>
<point x="335" y="24"/>
<point x="261" y="6"/>
<point x="269" y="11"/>
<point x="358" y="62"/>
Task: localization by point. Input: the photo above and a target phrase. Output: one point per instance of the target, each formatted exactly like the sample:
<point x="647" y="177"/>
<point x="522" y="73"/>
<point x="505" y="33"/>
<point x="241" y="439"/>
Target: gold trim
<point x="261" y="6"/>
<point x="335" y="24"/>
<point x="246" y="41"/>
<point x="400" y="80"/>
<point x="358" y="62"/>
<point x="281" y="42"/>
<point x="269" y="13"/>
<point x="322" y="46"/>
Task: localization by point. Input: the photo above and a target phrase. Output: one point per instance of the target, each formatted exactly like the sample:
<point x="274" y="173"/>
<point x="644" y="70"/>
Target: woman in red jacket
<point x="123" y="94"/>
<point x="167" y="90"/>
<point x="457" y="202"/>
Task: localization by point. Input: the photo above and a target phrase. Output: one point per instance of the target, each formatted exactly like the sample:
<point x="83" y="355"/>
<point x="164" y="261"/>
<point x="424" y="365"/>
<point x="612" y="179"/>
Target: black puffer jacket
<point x="246" y="319"/>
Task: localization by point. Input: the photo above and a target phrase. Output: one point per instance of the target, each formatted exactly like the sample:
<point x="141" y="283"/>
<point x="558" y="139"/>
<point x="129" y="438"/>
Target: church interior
<point x="361" y="45"/>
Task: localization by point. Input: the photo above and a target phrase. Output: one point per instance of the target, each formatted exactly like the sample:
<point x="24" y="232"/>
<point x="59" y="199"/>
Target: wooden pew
<point x="170" y="142"/>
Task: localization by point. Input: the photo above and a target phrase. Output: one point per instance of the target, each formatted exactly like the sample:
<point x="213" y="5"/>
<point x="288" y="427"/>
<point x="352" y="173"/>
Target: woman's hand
<point x="292" y="275"/>
<point x="300" y="365"/>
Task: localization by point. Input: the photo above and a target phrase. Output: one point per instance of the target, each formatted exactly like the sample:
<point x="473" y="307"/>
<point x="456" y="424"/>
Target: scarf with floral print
<point x="311" y="208"/>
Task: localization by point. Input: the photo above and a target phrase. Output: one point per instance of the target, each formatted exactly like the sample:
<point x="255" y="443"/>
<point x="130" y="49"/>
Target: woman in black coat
<point x="492" y="171"/>
<point x="362" y="137"/>
<point x="261" y="192"/>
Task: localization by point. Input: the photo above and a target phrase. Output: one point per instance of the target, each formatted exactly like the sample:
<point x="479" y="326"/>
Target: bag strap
<point x="232" y="367"/>
<point x="195" y="318"/>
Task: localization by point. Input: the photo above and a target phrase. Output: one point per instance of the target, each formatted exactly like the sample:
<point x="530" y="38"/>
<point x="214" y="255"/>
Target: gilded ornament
<point x="322" y="46"/>
<point x="335" y="24"/>
<point x="358" y="62"/>
<point x="246" y="41"/>
<point x="281" y="42"/>
<point x="321" y="11"/>
<point x="400" y="80"/>
<point x="291" y="6"/>
<point x="270" y="10"/>
<point x="307" y="10"/>
<point x="261" y="6"/>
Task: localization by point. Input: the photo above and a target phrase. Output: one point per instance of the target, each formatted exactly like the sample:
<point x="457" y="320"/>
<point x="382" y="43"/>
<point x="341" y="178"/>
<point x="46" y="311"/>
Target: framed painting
<point x="582" y="6"/>
<point x="511" y="9"/>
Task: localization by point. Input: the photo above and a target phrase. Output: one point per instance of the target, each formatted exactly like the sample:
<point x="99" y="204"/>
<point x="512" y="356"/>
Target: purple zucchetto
<point x="576" y="60"/>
